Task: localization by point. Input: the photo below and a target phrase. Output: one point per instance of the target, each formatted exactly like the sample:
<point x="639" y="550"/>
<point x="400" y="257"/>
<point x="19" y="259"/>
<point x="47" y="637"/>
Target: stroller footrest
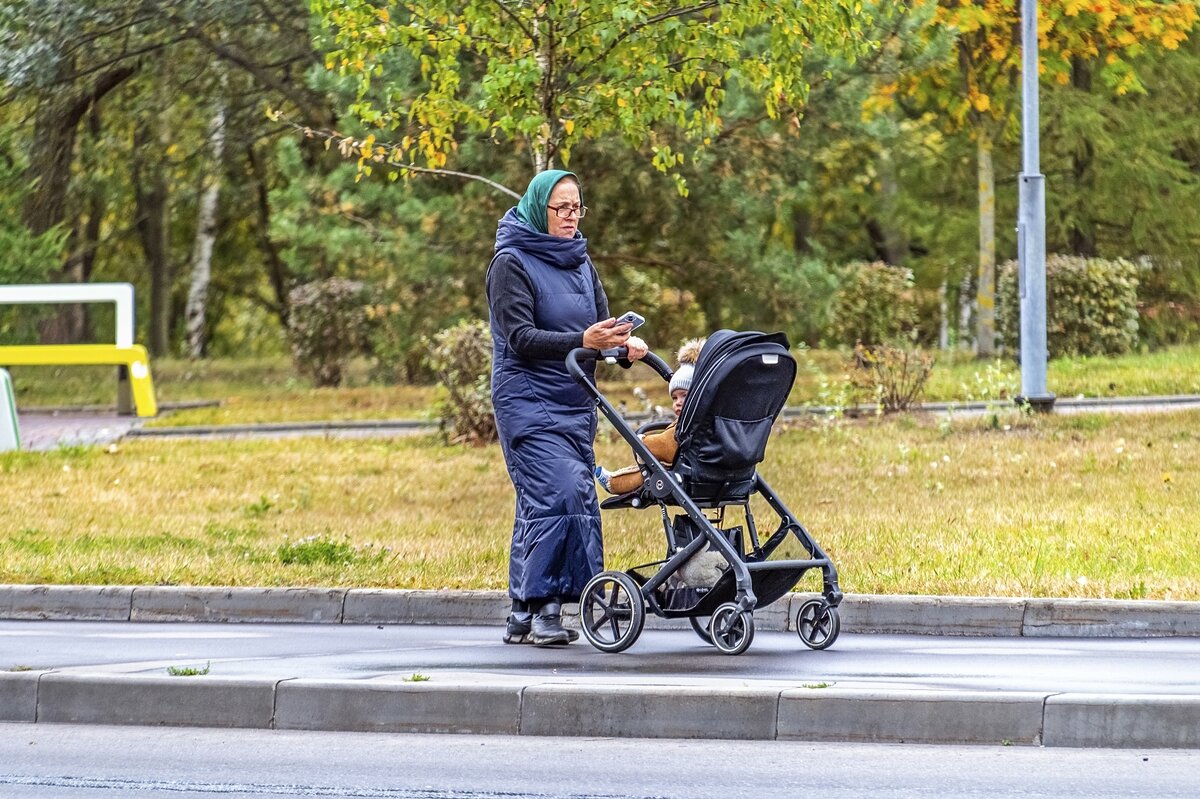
<point x="633" y="499"/>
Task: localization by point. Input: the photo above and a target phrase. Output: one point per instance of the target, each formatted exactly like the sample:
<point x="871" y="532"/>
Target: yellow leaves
<point x="1172" y="39"/>
<point x="384" y="15"/>
<point x="1063" y="78"/>
<point x="568" y="126"/>
<point x="622" y="102"/>
<point x="981" y="102"/>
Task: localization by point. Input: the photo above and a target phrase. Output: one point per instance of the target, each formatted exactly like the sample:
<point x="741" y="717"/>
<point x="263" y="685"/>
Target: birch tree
<point x="195" y="313"/>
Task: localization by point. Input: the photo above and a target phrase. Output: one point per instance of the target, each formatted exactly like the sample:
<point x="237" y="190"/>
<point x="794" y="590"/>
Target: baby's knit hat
<point x="682" y="379"/>
<point x="689" y="353"/>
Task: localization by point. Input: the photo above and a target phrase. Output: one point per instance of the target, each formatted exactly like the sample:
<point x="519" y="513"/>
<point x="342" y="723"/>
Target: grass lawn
<point x="1064" y="505"/>
<point x="268" y="390"/>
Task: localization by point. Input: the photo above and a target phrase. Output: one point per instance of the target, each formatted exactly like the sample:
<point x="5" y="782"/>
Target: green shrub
<point x="1168" y="303"/>
<point x="1091" y="306"/>
<point x="1167" y="323"/>
<point x="326" y="327"/>
<point x="875" y="304"/>
<point x="461" y="357"/>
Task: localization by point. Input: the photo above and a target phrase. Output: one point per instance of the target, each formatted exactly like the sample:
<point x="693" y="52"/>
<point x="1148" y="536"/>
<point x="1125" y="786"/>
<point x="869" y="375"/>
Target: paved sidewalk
<point x="1032" y="672"/>
<point x="49" y="429"/>
<point x="53" y="429"/>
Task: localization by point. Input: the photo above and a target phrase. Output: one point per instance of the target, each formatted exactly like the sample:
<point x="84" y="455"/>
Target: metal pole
<point x="1031" y="225"/>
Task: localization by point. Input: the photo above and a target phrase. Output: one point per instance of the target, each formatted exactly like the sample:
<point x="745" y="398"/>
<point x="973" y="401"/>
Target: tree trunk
<point x="1082" y="232"/>
<point x="965" y="306"/>
<point x="51" y="154"/>
<point x="895" y="244"/>
<point x="985" y="294"/>
<point x="206" y="234"/>
<point x="277" y="271"/>
<point x="74" y="324"/>
<point x="151" y="195"/>
<point x="539" y="142"/>
<point x="802" y="230"/>
<point x="943" y="318"/>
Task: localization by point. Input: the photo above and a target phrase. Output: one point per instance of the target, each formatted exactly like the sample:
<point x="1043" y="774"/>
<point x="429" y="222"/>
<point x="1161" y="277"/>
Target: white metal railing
<point x="121" y="294"/>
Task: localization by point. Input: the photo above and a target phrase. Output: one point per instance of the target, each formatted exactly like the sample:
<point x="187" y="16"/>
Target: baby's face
<point x="677" y="398"/>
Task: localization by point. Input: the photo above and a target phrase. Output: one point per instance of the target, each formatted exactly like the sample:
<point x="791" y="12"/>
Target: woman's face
<point x="565" y="192"/>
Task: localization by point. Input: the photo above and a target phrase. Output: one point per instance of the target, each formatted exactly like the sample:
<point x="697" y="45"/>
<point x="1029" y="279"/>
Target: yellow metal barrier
<point x="133" y="360"/>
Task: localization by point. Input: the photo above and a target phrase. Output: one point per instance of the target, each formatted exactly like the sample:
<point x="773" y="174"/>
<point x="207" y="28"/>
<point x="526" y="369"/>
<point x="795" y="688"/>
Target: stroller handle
<point x="585" y="353"/>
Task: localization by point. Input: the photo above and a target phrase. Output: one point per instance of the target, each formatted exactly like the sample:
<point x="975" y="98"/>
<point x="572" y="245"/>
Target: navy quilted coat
<point x="547" y="424"/>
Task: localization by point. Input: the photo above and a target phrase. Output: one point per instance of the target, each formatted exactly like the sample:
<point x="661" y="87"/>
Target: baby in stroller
<point x="738" y="388"/>
<point x="661" y="443"/>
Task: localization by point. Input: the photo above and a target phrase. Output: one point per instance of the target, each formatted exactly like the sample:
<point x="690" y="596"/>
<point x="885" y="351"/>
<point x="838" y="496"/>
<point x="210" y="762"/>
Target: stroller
<point x="739" y="386"/>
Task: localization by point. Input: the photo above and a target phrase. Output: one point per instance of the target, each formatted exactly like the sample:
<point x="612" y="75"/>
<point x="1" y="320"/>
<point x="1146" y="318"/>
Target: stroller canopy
<point x="740" y="385"/>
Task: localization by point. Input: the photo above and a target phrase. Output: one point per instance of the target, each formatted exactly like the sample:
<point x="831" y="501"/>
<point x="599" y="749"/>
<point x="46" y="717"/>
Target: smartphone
<point x="629" y="317"/>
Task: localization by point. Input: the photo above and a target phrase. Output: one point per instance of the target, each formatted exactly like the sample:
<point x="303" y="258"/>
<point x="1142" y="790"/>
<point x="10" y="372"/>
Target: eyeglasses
<point x="567" y="211"/>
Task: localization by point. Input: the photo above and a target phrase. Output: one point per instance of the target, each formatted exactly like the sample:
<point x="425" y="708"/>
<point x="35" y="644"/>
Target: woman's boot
<point x="520" y="620"/>
<point x="547" y="629"/>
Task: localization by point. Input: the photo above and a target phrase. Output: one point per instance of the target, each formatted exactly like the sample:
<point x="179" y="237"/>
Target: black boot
<point x="547" y="629"/>
<point x="520" y="620"/>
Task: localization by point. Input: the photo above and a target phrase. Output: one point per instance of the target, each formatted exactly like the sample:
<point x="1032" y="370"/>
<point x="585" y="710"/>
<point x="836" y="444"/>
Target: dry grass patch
<point x="1087" y="506"/>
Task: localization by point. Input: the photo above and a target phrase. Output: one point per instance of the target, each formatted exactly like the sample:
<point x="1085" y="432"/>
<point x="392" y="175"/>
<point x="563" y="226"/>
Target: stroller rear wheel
<point x="612" y="611"/>
<point x="818" y="623"/>
<point x="700" y="625"/>
<point x="731" y="629"/>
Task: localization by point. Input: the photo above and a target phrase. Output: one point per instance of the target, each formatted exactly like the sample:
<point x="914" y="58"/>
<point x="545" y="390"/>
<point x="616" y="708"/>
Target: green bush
<point x="1168" y="304"/>
<point x="326" y="327"/>
<point x="1091" y="306"/>
<point x="461" y="357"/>
<point x="875" y="304"/>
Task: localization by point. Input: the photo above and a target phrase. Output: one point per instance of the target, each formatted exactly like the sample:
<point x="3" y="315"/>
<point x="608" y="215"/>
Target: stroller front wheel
<point x="818" y="623"/>
<point x="612" y="611"/>
<point x="731" y="629"/>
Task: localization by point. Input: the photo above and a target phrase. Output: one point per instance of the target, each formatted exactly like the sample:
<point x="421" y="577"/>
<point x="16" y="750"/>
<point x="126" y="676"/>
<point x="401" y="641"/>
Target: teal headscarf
<point x="532" y="208"/>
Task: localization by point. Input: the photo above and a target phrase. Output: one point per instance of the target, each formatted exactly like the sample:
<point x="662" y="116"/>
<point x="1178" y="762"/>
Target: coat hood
<point x="554" y="250"/>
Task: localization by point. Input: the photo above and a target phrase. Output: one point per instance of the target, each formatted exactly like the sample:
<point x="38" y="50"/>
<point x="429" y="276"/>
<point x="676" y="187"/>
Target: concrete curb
<point x="712" y="709"/>
<point x="910" y="615"/>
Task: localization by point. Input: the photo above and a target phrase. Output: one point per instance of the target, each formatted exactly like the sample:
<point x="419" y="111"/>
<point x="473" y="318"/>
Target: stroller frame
<point x="612" y="606"/>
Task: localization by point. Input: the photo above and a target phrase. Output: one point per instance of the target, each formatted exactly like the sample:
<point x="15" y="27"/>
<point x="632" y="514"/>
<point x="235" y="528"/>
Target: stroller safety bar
<point x="619" y="354"/>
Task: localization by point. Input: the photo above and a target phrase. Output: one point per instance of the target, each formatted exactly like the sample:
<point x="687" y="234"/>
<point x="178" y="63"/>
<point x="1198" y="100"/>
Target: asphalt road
<point x="62" y="761"/>
<point x="1163" y="666"/>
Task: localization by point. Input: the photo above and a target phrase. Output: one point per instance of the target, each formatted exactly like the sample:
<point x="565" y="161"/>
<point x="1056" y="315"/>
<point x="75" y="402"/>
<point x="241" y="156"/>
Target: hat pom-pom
<point x="690" y="351"/>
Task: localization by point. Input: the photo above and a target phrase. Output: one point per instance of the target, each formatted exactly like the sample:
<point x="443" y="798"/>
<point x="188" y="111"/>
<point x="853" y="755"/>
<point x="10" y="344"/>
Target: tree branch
<point x="343" y="141"/>
<point x="674" y="12"/>
<point x="508" y="12"/>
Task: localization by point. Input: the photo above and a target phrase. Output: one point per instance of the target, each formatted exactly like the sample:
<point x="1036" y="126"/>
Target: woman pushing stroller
<point x="545" y="299"/>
